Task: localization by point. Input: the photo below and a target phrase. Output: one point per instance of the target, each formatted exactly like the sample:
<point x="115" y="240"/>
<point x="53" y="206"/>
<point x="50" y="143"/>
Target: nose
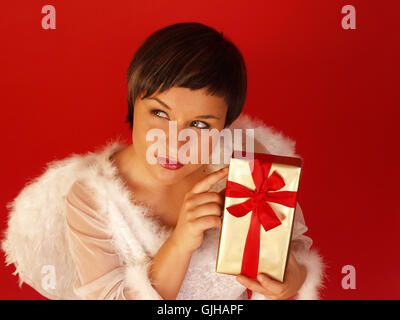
<point x="173" y="144"/>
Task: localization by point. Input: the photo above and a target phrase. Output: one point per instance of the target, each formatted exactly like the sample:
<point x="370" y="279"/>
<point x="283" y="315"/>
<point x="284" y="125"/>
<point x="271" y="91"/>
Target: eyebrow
<point x="206" y="116"/>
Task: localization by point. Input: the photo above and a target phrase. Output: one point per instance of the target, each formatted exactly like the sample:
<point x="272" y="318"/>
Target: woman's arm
<point x="101" y="273"/>
<point x="169" y="268"/>
<point x="201" y="210"/>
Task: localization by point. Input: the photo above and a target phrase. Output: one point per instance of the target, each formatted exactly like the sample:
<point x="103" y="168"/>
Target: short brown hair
<point x="189" y="55"/>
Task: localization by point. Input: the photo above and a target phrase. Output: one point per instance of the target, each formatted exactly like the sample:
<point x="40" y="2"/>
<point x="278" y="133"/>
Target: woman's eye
<point x="159" y="113"/>
<point x="200" y="124"/>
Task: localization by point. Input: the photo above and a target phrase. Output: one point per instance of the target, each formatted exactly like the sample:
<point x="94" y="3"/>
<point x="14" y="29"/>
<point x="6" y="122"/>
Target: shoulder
<point x="83" y="215"/>
<point x="36" y="218"/>
<point x="80" y="193"/>
<point x="97" y="184"/>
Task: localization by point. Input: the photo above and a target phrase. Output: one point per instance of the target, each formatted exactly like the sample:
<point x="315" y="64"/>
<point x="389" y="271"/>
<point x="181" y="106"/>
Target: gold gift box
<point x="274" y="243"/>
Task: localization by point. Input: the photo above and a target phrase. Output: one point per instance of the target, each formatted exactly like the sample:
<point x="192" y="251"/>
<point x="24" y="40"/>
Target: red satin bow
<point x="262" y="213"/>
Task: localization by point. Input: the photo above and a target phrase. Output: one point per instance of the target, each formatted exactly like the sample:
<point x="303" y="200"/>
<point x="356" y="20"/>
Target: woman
<point x="113" y="225"/>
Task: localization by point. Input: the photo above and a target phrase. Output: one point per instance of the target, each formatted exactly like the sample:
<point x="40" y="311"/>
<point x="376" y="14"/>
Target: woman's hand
<point x="295" y="275"/>
<point x="201" y="210"/>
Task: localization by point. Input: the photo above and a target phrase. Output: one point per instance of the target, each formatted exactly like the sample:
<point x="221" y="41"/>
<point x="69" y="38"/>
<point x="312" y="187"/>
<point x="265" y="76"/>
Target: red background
<point x="334" y="91"/>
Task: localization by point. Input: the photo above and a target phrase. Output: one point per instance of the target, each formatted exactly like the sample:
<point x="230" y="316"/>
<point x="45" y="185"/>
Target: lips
<point x="166" y="163"/>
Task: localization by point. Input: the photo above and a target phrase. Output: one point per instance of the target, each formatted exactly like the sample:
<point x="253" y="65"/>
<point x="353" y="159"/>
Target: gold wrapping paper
<point x="274" y="243"/>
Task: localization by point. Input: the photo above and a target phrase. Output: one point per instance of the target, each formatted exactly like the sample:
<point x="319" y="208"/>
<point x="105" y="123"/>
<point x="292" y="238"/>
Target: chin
<point x="166" y="176"/>
<point x="169" y="177"/>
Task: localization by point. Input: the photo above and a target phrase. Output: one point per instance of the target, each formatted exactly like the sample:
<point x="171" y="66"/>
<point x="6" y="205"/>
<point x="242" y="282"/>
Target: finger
<point x="206" y="183"/>
<point x="269" y="284"/>
<point x="222" y="192"/>
<point x="198" y="199"/>
<point x="206" y="209"/>
<point x="250" y="283"/>
<point x="208" y="222"/>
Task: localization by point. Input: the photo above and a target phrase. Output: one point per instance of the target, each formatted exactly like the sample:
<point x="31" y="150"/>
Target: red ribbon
<point x="262" y="213"/>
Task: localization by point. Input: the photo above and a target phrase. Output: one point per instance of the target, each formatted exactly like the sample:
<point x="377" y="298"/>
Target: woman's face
<point x="191" y="109"/>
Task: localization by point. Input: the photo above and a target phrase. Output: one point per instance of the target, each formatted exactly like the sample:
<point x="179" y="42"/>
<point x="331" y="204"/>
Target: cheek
<point x="192" y="148"/>
<point x="140" y="128"/>
<point x="143" y="124"/>
<point x="207" y="145"/>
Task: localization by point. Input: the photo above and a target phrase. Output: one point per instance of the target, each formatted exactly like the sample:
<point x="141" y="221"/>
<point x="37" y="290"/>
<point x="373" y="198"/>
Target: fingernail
<point x="260" y="277"/>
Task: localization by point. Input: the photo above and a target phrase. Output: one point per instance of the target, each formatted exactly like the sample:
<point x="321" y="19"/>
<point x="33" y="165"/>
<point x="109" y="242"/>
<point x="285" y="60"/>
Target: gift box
<point x="258" y="216"/>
